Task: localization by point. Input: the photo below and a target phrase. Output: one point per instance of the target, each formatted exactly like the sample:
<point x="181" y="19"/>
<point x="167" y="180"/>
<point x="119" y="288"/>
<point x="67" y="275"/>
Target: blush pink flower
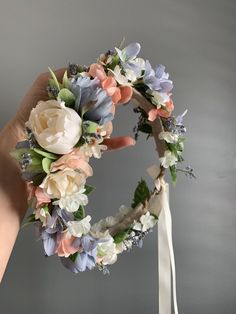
<point x="74" y="160"/>
<point x="41" y="197"/>
<point x="65" y="245"/>
<point x="119" y="94"/>
<point x="165" y="113"/>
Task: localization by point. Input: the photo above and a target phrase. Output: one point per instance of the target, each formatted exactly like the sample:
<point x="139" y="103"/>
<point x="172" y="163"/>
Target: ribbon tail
<point x="164" y="268"/>
<point x="166" y="258"/>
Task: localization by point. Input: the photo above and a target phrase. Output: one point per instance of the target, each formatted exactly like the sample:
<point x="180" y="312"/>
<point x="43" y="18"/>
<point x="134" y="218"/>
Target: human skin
<point x="13" y="190"/>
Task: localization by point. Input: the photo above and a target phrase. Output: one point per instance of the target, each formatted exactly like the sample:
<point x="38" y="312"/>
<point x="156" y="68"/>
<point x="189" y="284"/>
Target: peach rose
<point x="63" y="183"/>
<point x="65" y="245"/>
<point x="41" y="197"/>
<point x="74" y="160"/>
<point x="119" y="94"/>
<point x="154" y="113"/>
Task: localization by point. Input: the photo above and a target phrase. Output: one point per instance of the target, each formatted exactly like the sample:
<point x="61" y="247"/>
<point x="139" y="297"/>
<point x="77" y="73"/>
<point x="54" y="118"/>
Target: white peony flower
<point x="63" y="183"/>
<point x="147" y="222"/>
<point x="107" y="252"/>
<point x="43" y="215"/>
<point x="169" y="159"/>
<point x="72" y="202"/>
<point x="169" y="137"/>
<point x="93" y="148"/>
<point x="79" y="228"/>
<point x="56" y="127"/>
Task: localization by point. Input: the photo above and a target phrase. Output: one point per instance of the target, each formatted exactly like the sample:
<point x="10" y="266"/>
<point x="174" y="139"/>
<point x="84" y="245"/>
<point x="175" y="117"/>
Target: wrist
<point x="12" y="133"/>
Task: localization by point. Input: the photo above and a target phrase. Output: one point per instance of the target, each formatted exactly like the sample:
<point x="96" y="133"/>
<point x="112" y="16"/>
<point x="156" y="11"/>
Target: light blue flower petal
<point x="49" y="243"/>
<point x="159" y="70"/>
<point x="132" y="50"/>
<point x="81" y="261"/>
<point x="166" y="86"/>
<point x="69" y="264"/>
<point x="88" y="243"/>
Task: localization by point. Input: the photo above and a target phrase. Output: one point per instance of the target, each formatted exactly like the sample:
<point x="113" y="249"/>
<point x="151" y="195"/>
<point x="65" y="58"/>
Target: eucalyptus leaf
<point x="67" y="96"/>
<point x="45" y="154"/>
<point x="65" y="80"/>
<point x="46" y="163"/>
<point x="17" y="153"/>
<point x="54" y="78"/>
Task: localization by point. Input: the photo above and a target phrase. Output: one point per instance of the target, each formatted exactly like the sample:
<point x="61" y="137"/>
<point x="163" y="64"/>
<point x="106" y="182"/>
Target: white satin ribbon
<point x="159" y="205"/>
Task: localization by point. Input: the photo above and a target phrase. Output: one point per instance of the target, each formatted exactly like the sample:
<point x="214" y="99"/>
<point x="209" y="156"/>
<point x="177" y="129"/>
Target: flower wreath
<point x="72" y="126"/>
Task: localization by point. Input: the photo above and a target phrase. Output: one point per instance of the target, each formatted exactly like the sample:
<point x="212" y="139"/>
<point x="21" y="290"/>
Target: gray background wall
<point x="196" y="40"/>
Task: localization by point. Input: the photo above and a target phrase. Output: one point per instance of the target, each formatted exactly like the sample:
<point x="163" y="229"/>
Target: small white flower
<point x="130" y="75"/>
<point x="120" y="78"/>
<point x="169" y="137"/>
<point x="120" y="247"/>
<point x="42" y="214"/>
<point x="107" y="252"/>
<point x="100" y="228"/>
<point x="93" y="148"/>
<point x="79" y="228"/>
<point x="147" y="222"/>
<point x="169" y="159"/>
<point x="123" y="211"/>
<point x="123" y="246"/>
<point x="160" y="99"/>
<point x="99" y="231"/>
<point x="72" y="202"/>
<point x="110" y="221"/>
<point x="137" y="226"/>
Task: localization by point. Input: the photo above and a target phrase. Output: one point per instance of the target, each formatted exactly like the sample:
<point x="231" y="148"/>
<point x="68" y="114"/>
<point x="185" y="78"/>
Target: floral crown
<point x="74" y="125"/>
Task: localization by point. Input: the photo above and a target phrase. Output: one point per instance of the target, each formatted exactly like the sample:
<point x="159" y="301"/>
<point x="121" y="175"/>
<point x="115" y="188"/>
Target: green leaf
<point x="17" y="153"/>
<point x="91" y="127"/>
<point x="120" y="236"/>
<point x="141" y="193"/>
<point x="73" y="256"/>
<point x="67" y="96"/>
<point x="173" y="173"/>
<point x="46" y="163"/>
<point x="80" y="213"/>
<point x="54" y="79"/>
<point x="114" y="62"/>
<point x="38" y="179"/>
<point x="145" y="128"/>
<point x="65" y="80"/>
<point x="89" y="189"/>
<point x="29" y="220"/>
<point x="46" y="154"/>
